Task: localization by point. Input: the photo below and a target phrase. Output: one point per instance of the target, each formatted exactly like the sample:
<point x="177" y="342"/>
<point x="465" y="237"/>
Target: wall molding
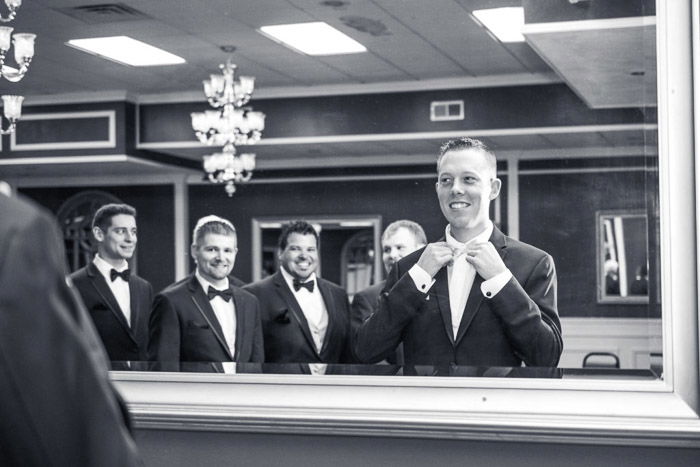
<point x="418" y="135"/>
<point x="110" y="142"/>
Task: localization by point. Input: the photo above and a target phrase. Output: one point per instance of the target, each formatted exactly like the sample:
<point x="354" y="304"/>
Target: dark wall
<point x="171" y="448"/>
<point x="156" y="238"/>
<point x="392" y="199"/>
<point x="558" y="214"/>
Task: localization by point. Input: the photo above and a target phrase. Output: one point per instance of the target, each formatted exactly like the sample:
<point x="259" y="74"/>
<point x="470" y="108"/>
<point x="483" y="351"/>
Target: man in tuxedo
<point x="476" y="297"/>
<point x="204" y="318"/>
<point x="398" y="239"/>
<point x="119" y="302"/>
<point x="305" y="319"/>
<point x="58" y="405"/>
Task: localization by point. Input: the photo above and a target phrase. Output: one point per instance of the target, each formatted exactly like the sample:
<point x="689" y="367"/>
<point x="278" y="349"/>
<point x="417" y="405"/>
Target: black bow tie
<point x="308" y="285"/>
<point x="226" y="294"/>
<point x="113" y="274"/>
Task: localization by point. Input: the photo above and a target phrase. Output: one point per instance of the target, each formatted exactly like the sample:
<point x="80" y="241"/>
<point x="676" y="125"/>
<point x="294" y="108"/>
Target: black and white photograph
<point x="349" y="232"/>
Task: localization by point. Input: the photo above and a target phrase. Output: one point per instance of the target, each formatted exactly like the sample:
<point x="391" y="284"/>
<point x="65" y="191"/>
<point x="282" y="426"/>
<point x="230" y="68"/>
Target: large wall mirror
<point x="597" y="170"/>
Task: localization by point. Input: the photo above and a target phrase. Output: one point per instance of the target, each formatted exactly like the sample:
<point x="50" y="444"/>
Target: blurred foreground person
<point x="58" y="405"/>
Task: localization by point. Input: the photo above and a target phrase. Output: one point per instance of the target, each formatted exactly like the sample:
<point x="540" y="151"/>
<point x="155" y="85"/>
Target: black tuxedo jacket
<point x="122" y="342"/>
<point x="58" y="405"/>
<point x="184" y="328"/>
<point x="286" y="332"/>
<point x="518" y="325"/>
<point x="363" y="304"/>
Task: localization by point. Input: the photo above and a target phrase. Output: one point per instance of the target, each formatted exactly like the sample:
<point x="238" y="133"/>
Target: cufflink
<point x="422" y="286"/>
<point x="488" y="294"/>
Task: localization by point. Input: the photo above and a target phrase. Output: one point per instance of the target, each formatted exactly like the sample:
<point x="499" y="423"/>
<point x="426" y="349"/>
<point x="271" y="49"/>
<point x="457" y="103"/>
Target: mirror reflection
<point x="563" y="217"/>
<point x="623" y="273"/>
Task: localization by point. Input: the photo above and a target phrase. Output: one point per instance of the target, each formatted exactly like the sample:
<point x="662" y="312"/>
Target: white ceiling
<point x="408" y="40"/>
<point x="413" y="44"/>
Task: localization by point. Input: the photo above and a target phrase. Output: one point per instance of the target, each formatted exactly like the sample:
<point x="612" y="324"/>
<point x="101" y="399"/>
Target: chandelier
<point x="24" y="52"/>
<point x="231" y="125"/>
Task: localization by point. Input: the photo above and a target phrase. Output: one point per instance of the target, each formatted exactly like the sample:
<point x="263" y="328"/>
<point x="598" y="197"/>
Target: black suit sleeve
<point x="529" y="315"/>
<point x="381" y="333"/>
<point x="347" y="354"/>
<point x="258" y="355"/>
<point x="164" y="331"/>
<point x="360" y="310"/>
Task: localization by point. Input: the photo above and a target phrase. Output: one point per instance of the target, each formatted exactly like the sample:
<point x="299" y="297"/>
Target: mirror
<point x="623" y="257"/>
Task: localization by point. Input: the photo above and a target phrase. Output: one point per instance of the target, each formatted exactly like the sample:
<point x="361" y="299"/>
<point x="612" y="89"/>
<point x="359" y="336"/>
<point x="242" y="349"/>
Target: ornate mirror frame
<point x="603" y="411"/>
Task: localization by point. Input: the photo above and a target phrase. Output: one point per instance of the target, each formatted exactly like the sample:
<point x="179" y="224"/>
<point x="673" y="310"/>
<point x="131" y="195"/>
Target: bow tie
<point x="226" y="294"/>
<point x="113" y="274"/>
<point x="308" y="285"/>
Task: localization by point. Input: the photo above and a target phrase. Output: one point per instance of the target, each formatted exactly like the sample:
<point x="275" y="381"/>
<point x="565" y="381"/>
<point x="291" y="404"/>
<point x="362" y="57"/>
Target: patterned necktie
<point x="113" y="274"/>
<point x="308" y="285"/>
<point x="226" y="294"/>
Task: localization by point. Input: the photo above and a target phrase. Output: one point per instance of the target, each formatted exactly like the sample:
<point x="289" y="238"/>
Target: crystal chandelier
<point x="230" y="126"/>
<point x="24" y="52"/>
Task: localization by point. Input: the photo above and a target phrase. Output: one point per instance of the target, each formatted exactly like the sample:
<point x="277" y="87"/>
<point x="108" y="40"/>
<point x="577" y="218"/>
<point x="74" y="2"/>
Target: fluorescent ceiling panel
<point x="504" y="23"/>
<point x="317" y="38"/>
<point x="125" y="50"/>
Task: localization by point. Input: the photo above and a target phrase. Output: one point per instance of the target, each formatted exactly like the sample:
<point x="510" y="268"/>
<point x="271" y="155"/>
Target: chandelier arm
<point x="10" y="74"/>
<point x="10" y="129"/>
<point x="10" y="17"/>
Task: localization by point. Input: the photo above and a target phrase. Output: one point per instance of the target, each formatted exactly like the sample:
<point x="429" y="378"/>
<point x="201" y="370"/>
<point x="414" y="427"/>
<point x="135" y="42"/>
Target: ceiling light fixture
<point x="126" y="50"/>
<point x="24" y="52"/>
<point x="316" y="38"/>
<point x="505" y="23"/>
<point x="230" y="126"/>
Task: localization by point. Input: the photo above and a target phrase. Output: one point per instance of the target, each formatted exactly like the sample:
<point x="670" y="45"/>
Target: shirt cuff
<point x="494" y="285"/>
<point x="421" y="278"/>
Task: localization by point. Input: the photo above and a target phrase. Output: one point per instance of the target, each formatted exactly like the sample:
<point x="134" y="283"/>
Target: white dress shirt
<point x="460" y="276"/>
<point x="226" y="315"/>
<point x="119" y="287"/>
<point x="313" y="307"/>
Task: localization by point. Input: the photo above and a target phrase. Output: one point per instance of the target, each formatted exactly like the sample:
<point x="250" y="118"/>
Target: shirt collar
<point x="206" y="284"/>
<point x="482" y="237"/>
<point x="104" y="267"/>
<point x="289" y="279"/>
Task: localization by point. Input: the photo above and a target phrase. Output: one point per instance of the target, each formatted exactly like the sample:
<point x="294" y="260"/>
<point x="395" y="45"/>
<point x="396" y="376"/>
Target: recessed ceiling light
<point x="504" y="23"/>
<point x="317" y="38"/>
<point x="125" y="50"/>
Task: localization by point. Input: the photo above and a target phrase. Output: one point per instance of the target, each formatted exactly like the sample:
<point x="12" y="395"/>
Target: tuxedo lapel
<point x="329" y="301"/>
<point x="137" y="314"/>
<point x="292" y="304"/>
<point x="201" y="302"/>
<point x="443" y="299"/>
<point x="241" y="323"/>
<point x="100" y="284"/>
<point x="476" y="298"/>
